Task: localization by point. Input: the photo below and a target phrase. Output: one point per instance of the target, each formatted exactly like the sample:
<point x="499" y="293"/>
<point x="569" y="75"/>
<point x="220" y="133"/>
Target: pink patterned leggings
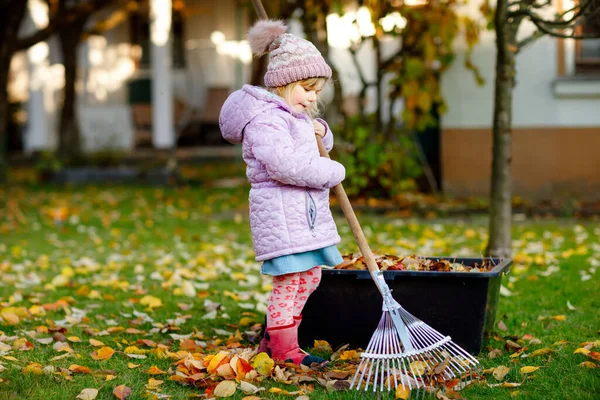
<point x="290" y="293"/>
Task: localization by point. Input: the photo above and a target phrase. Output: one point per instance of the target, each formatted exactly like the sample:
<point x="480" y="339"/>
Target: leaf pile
<point x="388" y="262"/>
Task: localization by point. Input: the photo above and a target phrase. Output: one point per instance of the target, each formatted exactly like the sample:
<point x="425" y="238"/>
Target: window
<point x="587" y="52"/>
<point x="139" y="34"/>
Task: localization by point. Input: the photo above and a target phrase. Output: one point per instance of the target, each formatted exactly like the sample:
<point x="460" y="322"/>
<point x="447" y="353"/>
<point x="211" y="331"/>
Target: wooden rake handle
<point x="359" y="235"/>
<point x="341" y="194"/>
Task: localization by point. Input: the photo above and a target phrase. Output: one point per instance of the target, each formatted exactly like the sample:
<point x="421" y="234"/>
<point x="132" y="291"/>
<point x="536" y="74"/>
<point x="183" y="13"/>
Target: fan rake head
<point x="406" y="351"/>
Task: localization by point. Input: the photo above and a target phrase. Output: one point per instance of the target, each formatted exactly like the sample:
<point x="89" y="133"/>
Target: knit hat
<point x="291" y="58"/>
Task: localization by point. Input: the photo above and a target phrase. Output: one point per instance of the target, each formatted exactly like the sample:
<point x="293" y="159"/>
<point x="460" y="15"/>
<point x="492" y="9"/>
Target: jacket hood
<point x="242" y="106"/>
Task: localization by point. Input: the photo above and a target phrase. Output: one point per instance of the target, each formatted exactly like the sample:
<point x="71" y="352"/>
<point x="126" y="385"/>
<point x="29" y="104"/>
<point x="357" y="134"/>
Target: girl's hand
<point x="319" y="129"/>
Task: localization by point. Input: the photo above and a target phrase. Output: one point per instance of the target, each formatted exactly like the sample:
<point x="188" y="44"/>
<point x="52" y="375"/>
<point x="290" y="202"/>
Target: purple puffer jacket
<point x="289" y="198"/>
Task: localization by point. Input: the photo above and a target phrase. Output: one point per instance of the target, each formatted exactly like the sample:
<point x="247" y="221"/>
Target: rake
<point x="403" y="350"/>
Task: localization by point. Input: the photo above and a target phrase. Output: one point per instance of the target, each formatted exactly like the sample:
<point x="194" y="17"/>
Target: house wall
<point x="555" y="131"/>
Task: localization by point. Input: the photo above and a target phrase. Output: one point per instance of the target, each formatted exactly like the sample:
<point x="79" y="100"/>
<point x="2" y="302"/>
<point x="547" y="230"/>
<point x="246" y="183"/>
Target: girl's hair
<point x="286" y="92"/>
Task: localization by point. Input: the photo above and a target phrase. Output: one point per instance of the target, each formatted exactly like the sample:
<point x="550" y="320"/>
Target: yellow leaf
<point x="153" y="384"/>
<point x="278" y="391"/>
<point x="402" y="392"/>
<point x="87" y="394"/>
<point x="234" y="296"/>
<point x="559" y="317"/>
<point x="74" y="339"/>
<point x="588" y="364"/>
<point x="151" y="301"/>
<point x="581" y="350"/>
<point x="33" y="368"/>
<point x="154" y="370"/>
<point x="133" y="350"/>
<point x="220" y="358"/>
<point x="322" y="345"/>
<point x="132" y="365"/>
<point x="528" y="370"/>
<point x="9" y="318"/>
<point x="541" y="352"/>
<point x="263" y="364"/>
<point x="245" y="321"/>
<point x="109" y="377"/>
<point x="187" y="288"/>
<point x="96" y="343"/>
<point x="103" y="353"/>
<point x="225" y="389"/>
<point x="419" y="367"/>
<point x="349" y="355"/>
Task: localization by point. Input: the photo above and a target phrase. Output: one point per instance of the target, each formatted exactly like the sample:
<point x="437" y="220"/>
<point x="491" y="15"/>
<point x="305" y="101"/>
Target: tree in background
<point x="64" y="15"/>
<point x="384" y="157"/>
<point x="507" y="19"/>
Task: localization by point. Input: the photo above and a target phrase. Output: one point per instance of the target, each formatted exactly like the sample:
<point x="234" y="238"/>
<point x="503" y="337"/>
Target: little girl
<point x="292" y="227"/>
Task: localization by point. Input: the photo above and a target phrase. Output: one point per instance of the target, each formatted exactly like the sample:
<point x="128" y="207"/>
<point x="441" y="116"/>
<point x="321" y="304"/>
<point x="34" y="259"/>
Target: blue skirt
<point x="301" y="262"/>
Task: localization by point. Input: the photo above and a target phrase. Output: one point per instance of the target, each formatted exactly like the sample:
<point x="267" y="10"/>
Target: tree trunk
<point x="499" y="244"/>
<point x="11" y="15"/>
<point x="69" y="143"/>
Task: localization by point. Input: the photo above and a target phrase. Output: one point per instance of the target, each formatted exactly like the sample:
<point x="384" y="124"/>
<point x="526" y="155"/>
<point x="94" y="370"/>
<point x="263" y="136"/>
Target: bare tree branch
<point x="558" y="22"/>
<point x="528" y="40"/>
<point x="61" y="19"/>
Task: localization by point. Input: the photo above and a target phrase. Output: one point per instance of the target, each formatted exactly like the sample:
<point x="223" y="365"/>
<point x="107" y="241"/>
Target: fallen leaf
<point x="80" y="369"/>
<point x="33" y="368"/>
<point x="225" y="389"/>
<point x="154" y="370"/>
<point x="502" y="326"/>
<point x="131" y="365"/>
<point x="500" y="372"/>
<point x="495" y="353"/>
<point x="570" y="306"/>
<point x="541" y="352"/>
<point x="88" y="394"/>
<point x="249" y="388"/>
<point x="528" y="370"/>
<point x="511" y="346"/>
<point x="595" y="355"/>
<point x="151" y="301"/>
<point x="122" y="392"/>
<point x="588" y="364"/>
<point x="96" y="343"/>
<point x="153" y="384"/>
<point x="322" y="346"/>
<point x="263" y="364"/>
<point x="418" y="367"/>
<point x="103" y="353"/>
<point x="581" y="350"/>
<point x="402" y="392"/>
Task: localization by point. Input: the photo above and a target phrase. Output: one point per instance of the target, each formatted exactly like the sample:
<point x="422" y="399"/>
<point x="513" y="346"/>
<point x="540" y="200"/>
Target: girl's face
<point x="303" y="97"/>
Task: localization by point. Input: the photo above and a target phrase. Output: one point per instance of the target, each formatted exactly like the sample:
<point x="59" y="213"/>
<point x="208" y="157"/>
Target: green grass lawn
<point x="148" y="267"/>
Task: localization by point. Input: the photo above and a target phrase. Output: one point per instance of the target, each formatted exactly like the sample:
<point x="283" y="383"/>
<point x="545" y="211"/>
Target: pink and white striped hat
<point x="291" y="58"/>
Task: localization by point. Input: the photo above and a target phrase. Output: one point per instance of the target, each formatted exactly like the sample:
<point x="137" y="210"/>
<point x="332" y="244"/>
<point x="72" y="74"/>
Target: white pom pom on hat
<point x="263" y="33"/>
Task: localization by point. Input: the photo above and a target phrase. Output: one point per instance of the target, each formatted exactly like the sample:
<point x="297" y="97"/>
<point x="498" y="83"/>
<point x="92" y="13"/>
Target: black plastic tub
<point x="347" y="306"/>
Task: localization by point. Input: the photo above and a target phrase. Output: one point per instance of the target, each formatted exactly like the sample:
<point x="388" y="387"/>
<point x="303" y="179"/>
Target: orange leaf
<point x="242" y="368"/>
<point x="80" y="368"/>
<point x="595" y="355"/>
<point x="122" y="392"/>
<point x="103" y="354"/>
<point x="154" y="370"/>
